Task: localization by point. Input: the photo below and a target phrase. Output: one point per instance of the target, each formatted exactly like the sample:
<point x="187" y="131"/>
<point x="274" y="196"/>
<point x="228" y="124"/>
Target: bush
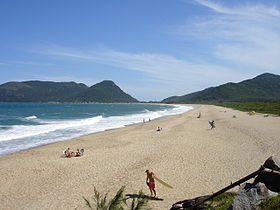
<point x="261" y="107"/>
<point x="223" y="201"/>
<point x="118" y="202"/>
<point x="271" y="203"/>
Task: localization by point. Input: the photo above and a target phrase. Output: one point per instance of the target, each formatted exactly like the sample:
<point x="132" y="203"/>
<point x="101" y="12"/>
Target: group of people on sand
<point x="69" y="153"/>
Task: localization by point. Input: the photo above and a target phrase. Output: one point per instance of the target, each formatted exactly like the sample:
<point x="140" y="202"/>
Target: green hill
<point x="39" y="91"/>
<point x="265" y="87"/>
<point x="42" y="91"/>
<point x="106" y="92"/>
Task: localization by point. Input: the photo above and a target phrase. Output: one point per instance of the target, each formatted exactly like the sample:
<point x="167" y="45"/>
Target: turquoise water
<point x="27" y="125"/>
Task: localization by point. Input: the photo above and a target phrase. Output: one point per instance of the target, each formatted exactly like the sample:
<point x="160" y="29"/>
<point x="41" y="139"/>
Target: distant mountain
<point x="265" y="87"/>
<point x="41" y="91"/>
<point x="106" y="92"/>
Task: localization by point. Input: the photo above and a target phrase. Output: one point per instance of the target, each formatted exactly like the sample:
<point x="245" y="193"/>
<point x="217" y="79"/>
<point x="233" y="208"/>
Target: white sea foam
<point x="22" y="131"/>
<point x="21" y="137"/>
<point x="31" y="117"/>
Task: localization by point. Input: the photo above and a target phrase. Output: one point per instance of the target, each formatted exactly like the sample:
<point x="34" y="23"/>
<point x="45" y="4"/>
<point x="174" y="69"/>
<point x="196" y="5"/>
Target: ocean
<point x="27" y="125"/>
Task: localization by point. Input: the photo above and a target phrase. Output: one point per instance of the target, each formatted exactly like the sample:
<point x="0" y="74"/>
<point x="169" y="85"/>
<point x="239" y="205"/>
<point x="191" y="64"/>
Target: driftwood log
<point x="268" y="173"/>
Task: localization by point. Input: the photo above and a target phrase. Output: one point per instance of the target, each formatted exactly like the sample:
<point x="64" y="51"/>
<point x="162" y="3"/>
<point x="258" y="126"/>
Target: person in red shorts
<point x="150" y="180"/>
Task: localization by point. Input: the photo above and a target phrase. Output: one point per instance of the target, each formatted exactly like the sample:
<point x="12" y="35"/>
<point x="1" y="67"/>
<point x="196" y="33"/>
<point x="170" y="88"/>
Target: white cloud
<point x="161" y="68"/>
<point x="246" y="36"/>
<point x="34" y="63"/>
<point x="215" y="7"/>
<point x="255" y="10"/>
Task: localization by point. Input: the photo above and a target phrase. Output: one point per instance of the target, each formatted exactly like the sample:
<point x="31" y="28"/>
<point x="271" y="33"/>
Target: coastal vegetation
<point x="222" y="201"/>
<point x="270" y="203"/>
<point x="118" y="202"/>
<point x="261" y="107"/>
<point x="225" y="200"/>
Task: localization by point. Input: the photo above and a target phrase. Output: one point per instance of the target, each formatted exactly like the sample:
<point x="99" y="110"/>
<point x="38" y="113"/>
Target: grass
<point x="271" y="203"/>
<point x="118" y="202"/>
<point x="223" y="201"/>
<point x="261" y="107"/>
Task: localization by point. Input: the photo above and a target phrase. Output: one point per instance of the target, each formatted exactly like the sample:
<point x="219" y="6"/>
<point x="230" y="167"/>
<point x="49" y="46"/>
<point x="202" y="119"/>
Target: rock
<point x="249" y="196"/>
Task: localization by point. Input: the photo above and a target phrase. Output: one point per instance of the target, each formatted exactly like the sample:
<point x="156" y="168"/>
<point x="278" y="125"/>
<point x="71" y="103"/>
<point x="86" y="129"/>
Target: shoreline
<point x="186" y="154"/>
<point x="92" y="132"/>
<point x="85" y="135"/>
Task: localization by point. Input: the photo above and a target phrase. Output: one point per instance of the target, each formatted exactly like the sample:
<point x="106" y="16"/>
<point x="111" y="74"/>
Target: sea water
<point x="27" y="125"/>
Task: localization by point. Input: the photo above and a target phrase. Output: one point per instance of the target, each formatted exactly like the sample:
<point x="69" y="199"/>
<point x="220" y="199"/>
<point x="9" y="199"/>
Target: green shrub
<point x="223" y="201"/>
<point x="118" y="202"/>
<point x="271" y="203"/>
<point x="261" y="107"/>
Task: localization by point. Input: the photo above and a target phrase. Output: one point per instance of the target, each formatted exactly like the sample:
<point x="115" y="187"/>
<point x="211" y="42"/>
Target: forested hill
<point x="106" y="92"/>
<point x="265" y="87"/>
<point x="42" y="91"/>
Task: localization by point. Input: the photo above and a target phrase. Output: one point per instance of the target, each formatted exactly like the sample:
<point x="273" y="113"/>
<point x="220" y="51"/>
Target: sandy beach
<point x="187" y="154"/>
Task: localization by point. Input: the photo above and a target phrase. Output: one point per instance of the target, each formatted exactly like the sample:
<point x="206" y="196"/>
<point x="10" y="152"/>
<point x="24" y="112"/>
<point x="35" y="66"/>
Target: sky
<point x="152" y="49"/>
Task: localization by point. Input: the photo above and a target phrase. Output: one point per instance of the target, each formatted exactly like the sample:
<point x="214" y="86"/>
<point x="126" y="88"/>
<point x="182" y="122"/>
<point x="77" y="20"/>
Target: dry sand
<point x="186" y="154"/>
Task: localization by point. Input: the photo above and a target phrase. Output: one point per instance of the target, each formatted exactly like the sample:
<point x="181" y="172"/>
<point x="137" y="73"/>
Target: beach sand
<point x="187" y="154"/>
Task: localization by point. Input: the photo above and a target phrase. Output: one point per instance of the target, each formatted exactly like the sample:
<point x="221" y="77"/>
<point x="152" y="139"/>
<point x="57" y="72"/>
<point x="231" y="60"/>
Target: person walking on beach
<point x="150" y="180"/>
<point x="212" y="124"/>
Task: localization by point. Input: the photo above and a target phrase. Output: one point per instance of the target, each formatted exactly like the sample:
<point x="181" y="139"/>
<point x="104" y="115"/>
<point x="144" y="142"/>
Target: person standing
<point x="150" y="180"/>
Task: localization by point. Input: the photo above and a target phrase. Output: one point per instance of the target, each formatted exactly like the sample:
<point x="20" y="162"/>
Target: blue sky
<point x="152" y="49"/>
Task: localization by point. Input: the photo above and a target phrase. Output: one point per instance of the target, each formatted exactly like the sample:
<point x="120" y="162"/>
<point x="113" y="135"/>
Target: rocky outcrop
<point x="249" y="196"/>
